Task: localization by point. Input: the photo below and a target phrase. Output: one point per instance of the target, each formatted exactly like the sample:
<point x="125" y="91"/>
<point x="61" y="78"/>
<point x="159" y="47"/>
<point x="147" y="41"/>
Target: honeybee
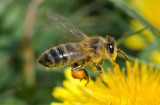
<point x="89" y="51"/>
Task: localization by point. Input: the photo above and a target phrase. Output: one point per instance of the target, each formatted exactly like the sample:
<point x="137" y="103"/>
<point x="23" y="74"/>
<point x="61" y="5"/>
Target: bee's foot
<point x="87" y="82"/>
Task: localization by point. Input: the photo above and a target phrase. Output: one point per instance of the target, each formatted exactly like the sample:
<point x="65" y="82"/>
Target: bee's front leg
<point x="113" y="63"/>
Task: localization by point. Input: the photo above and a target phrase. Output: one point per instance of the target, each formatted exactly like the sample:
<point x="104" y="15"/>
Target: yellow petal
<point x="137" y="85"/>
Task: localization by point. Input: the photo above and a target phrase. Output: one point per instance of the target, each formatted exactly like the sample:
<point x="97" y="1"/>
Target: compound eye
<point x="110" y="48"/>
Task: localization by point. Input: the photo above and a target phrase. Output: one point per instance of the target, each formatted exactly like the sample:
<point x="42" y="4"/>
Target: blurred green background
<point x="26" y="32"/>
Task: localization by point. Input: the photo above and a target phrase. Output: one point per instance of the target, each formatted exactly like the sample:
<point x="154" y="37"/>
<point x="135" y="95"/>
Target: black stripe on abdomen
<point x="61" y="50"/>
<point x="45" y="60"/>
<point x="55" y="56"/>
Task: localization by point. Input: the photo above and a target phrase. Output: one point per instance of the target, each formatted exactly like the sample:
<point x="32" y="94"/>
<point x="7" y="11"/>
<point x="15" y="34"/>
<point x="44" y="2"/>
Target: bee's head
<point x="111" y="48"/>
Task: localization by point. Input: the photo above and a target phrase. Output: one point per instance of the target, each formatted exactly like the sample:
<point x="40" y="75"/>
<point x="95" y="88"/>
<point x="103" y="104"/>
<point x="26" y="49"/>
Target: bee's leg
<point x="80" y="74"/>
<point x="77" y="66"/>
<point x="99" y="68"/>
<point x="100" y="62"/>
<point x="86" y="77"/>
<point x="113" y="63"/>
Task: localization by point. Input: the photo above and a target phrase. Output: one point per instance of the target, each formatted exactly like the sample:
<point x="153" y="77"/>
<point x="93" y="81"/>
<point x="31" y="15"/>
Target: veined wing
<point x="64" y="24"/>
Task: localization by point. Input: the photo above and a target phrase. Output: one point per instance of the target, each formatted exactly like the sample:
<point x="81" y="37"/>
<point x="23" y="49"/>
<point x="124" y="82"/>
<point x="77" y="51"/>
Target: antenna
<point x="124" y="54"/>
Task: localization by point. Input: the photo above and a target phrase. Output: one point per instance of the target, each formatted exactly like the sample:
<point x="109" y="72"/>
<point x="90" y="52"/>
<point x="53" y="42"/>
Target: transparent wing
<point x="64" y="24"/>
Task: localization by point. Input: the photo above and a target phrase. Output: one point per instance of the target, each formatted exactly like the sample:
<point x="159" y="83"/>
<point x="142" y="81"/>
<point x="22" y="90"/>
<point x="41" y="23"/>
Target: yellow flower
<point x="133" y="86"/>
<point x="150" y="11"/>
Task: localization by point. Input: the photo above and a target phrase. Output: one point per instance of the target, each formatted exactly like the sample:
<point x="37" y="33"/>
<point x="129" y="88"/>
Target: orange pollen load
<point x="78" y="74"/>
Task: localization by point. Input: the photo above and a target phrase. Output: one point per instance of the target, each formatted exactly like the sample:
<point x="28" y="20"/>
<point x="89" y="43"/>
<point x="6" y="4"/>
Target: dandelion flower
<point x="133" y="86"/>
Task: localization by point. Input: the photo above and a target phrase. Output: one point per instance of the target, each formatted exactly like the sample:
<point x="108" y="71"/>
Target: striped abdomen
<point x="61" y="55"/>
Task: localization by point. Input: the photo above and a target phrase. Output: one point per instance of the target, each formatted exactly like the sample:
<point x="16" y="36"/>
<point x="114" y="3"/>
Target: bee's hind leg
<point x="78" y="72"/>
<point x="81" y="74"/>
<point x="76" y="66"/>
<point x="86" y="76"/>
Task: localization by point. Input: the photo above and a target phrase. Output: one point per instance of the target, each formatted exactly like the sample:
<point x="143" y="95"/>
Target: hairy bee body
<point x="61" y="55"/>
<point x="70" y="53"/>
<point x="90" y="51"/>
